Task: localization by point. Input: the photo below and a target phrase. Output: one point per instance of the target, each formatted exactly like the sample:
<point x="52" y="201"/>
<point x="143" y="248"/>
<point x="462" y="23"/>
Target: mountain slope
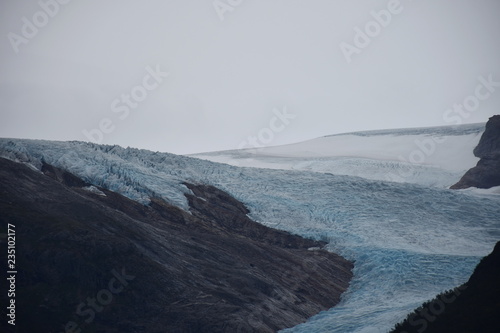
<point x="154" y="268"/>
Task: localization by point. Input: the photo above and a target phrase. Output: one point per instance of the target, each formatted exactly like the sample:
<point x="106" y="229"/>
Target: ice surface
<point x="436" y="156"/>
<point x="409" y="241"/>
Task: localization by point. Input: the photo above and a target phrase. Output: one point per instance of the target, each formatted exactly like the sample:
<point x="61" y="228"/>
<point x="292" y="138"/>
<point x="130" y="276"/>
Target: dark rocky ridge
<point x="470" y="308"/>
<point x="486" y="173"/>
<point x="211" y="270"/>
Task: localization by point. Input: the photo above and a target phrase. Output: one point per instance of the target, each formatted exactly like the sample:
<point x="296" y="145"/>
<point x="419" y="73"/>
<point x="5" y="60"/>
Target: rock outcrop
<point x="486" y="173"/>
<point x="91" y="260"/>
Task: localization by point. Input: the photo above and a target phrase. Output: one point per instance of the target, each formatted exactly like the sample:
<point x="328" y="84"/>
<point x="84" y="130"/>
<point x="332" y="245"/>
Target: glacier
<point x="410" y="240"/>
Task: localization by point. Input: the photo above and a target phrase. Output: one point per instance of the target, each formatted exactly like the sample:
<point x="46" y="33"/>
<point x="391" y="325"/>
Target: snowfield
<point x="435" y="156"/>
<point x="410" y="237"/>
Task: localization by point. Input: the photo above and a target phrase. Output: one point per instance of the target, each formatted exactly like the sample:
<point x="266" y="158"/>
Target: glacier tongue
<point x="409" y="242"/>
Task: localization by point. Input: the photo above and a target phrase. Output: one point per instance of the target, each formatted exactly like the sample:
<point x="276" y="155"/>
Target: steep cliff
<point x="486" y="173"/>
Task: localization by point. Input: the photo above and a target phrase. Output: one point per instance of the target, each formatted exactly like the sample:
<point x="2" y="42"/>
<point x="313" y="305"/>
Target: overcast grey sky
<point x="280" y="71"/>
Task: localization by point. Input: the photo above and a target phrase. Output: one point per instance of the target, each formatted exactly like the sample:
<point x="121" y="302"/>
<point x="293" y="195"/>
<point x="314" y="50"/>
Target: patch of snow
<point x="94" y="190"/>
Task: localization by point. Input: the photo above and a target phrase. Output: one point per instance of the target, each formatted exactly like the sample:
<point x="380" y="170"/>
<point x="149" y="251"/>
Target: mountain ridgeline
<point x="92" y="260"/>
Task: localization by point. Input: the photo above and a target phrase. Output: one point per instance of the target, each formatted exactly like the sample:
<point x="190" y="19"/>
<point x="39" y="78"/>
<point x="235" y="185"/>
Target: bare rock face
<point x="91" y="260"/>
<point x="489" y="145"/>
<point x="486" y="173"/>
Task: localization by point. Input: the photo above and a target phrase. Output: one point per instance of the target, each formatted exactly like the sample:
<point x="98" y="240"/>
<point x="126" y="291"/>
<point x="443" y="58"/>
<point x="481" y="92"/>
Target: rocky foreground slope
<point x="92" y="260"/>
<point x="486" y="173"/>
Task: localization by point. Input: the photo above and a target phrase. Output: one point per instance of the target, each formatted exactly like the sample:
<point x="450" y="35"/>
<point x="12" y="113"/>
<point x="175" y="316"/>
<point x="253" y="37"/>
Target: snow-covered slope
<point x="409" y="241"/>
<point x="436" y="156"/>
